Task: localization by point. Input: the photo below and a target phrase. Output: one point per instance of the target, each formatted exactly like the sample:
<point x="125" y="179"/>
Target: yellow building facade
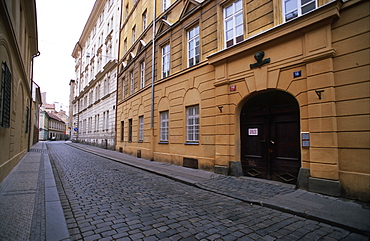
<point x="269" y="89"/>
<point x="18" y="111"/>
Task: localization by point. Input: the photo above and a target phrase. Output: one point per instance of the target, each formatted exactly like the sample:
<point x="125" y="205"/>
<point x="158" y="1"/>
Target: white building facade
<point x="93" y="92"/>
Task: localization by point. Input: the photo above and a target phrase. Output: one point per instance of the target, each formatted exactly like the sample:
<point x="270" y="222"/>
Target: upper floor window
<point x="123" y="87"/>
<point x="142" y="74"/>
<point x="166" y="61"/>
<point x="133" y="34"/>
<point x="233" y="23"/>
<point x="125" y="45"/>
<point x="166" y="4"/>
<point x="295" y="8"/>
<point x="126" y="11"/>
<point x="132" y="83"/>
<point x="193" y="46"/>
<point x="145" y="24"/>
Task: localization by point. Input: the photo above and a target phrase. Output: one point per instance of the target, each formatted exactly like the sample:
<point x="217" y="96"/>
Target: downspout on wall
<point x="30" y="108"/>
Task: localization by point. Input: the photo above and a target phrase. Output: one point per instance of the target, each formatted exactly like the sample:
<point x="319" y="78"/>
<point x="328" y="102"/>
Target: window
<point x="233" y="23"/>
<point x="142" y="74"/>
<point x="133" y="34"/>
<point x="166" y="4"/>
<point x="125" y="45"/>
<point x="123" y="87"/>
<point x="126" y="11"/>
<point x="295" y="8"/>
<point x="5" y="95"/>
<point x="132" y="83"/>
<point x="107" y="122"/>
<point x="130" y="130"/>
<point x="193" y="46"/>
<point x="144" y="20"/>
<point x="96" y="127"/>
<point x="192" y="124"/>
<point x="122" y="130"/>
<point x="166" y="61"/>
<point x="164" y="126"/>
<point x="141" y="128"/>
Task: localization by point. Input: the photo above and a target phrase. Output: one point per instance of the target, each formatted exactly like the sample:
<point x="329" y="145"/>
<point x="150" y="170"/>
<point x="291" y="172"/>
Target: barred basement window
<point x="5" y="95"/>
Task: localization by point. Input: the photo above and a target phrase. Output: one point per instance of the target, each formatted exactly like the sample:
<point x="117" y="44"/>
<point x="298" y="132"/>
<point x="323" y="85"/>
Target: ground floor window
<point x="141" y="128"/>
<point x="164" y="126"/>
<point x="192" y="124"/>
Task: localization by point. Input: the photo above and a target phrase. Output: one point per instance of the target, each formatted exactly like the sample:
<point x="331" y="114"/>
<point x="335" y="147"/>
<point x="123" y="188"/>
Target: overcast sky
<point x="60" y="24"/>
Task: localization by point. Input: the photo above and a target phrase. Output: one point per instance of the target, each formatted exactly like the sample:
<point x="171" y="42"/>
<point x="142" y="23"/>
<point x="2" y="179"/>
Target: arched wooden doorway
<point x="270" y="137"/>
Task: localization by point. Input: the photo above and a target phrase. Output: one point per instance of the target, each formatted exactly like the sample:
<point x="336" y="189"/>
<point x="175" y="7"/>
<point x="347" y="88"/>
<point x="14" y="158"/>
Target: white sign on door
<point x="253" y="131"/>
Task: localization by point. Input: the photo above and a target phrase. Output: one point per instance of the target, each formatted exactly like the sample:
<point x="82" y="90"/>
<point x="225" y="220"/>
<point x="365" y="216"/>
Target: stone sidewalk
<point x="340" y="212"/>
<point x="30" y="207"/>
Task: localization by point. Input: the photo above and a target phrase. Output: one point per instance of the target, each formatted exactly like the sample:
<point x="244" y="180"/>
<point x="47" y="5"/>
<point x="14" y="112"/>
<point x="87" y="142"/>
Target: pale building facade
<point x="44" y="126"/>
<point x="56" y="128"/>
<point x="270" y="89"/>
<point x="93" y="98"/>
<point x="18" y="48"/>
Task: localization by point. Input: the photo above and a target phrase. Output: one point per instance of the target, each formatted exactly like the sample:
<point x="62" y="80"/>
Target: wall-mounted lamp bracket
<point x="318" y="92"/>
<point x="220" y="108"/>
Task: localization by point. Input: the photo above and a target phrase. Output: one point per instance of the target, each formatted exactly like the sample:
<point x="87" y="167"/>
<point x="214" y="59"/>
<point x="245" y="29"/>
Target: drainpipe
<point x="117" y="73"/>
<point x="153" y="65"/>
<point x="29" y="111"/>
<point x="78" y="102"/>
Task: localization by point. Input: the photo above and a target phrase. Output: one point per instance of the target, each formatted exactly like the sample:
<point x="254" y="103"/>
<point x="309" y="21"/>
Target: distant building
<point x="93" y="98"/>
<point x="36" y="105"/>
<point x="57" y="128"/>
<point x="44" y="126"/>
<point x="65" y="118"/>
<point x="18" y="48"/>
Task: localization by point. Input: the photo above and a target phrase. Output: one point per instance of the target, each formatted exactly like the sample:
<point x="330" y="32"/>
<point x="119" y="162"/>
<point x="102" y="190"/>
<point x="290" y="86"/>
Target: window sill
<point x="191" y="143"/>
<point x="163" y="142"/>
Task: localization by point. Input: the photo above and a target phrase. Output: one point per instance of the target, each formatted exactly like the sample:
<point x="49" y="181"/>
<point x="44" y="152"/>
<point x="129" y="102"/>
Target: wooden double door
<point x="270" y="137"/>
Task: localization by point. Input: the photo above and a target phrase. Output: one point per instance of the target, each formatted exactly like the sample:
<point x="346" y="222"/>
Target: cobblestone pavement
<point x="106" y="200"/>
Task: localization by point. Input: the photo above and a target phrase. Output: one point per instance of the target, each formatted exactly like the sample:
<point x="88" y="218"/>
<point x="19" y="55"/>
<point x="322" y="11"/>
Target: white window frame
<point x="141" y="128"/>
<point x="163" y="136"/>
<point x="192" y="123"/>
<point x="166" y="61"/>
<point x="142" y="74"/>
<point x="123" y="88"/>
<point x="193" y="46"/>
<point x="132" y="82"/>
<point x="233" y="13"/>
<point x="134" y="34"/>
<point x="166" y="4"/>
<point x="145" y="20"/>
<point x="297" y="9"/>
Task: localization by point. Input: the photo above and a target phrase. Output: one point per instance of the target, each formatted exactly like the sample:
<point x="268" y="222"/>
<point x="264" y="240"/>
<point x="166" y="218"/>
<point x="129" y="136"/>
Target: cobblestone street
<point x="106" y="200"/>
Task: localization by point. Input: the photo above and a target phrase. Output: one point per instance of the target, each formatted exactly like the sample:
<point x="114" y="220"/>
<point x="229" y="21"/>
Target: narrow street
<point x="106" y="200"/>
